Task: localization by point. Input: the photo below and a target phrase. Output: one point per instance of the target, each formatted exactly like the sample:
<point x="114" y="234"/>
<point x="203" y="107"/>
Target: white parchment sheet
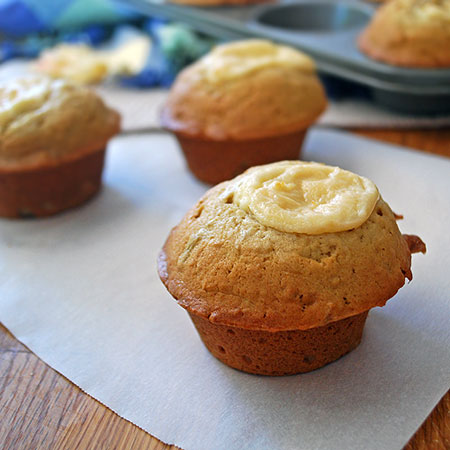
<point x="81" y="290"/>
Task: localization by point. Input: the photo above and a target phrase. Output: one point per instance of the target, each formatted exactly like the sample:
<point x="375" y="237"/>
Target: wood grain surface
<point x="40" y="409"/>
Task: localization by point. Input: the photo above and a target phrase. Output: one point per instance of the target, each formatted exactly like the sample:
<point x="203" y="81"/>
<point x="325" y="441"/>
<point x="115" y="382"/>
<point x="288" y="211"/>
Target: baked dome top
<point x="44" y="119"/>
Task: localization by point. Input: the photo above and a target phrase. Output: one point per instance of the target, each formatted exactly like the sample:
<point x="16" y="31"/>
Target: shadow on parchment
<point x="108" y="207"/>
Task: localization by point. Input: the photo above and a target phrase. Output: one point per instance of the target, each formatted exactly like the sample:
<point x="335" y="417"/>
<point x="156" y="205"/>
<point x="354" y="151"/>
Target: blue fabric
<point x="46" y="10"/>
<point x="17" y="19"/>
<point x="31" y="45"/>
<point x="174" y="47"/>
<point x="21" y="17"/>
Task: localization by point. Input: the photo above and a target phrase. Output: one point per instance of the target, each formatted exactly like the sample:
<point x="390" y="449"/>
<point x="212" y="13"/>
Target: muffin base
<point x="51" y="188"/>
<point x="216" y="161"/>
<point x="281" y="352"/>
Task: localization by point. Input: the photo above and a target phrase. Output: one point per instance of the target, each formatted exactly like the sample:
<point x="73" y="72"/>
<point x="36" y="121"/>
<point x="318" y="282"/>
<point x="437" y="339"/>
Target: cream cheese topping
<point x="242" y="58"/>
<point x="304" y="197"/>
<point x="431" y="9"/>
<point x="22" y="98"/>
<point x="422" y="11"/>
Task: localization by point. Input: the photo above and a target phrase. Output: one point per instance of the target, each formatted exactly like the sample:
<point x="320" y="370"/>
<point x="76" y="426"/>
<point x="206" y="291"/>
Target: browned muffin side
<point x="273" y="101"/>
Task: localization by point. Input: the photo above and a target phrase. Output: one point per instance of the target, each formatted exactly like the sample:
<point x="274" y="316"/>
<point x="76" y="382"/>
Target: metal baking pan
<point x="327" y="30"/>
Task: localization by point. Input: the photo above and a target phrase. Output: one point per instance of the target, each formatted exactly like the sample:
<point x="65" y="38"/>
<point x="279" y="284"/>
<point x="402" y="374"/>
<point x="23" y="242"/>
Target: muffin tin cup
<point x="215" y="161"/>
<point x="281" y="352"/>
<point x="49" y="189"/>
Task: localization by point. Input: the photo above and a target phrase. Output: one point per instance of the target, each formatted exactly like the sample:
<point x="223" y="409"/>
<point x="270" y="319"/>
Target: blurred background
<point x="131" y="51"/>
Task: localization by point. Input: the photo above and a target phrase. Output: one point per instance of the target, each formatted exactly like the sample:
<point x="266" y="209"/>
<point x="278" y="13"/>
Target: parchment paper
<point x="81" y="291"/>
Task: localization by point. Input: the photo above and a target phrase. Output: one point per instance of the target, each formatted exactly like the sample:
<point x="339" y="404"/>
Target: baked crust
<point x="411" y="33"/>
<point x="221" y="264"/>
<point x="273" y="101"/>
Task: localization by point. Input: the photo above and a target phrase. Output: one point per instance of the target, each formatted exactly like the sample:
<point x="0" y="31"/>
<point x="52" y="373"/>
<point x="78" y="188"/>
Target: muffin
<point x="75" y="62"/>
<point x="245" y="103"/>
<point x="53" y="136"/>
<point x="279" y="267"/>
<point x="410" y="33"/>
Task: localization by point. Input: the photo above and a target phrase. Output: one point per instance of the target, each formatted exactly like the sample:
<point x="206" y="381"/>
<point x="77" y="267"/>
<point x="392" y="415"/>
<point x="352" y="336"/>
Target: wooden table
<point x="39" y="408"/>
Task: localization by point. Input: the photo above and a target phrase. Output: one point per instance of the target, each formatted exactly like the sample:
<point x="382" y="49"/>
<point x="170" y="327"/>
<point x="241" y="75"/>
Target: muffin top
<point x="273" y="249"/>
<point x="43" y="120"/>
<point x="244" y="90"/>
<point x="414" y="33"/>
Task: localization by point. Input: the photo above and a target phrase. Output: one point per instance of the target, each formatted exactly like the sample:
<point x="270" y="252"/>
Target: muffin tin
<point x="327" y="30"/>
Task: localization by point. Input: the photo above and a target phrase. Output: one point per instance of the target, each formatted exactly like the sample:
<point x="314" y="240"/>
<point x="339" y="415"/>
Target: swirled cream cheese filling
<point x="429" y="11"/>
<point x="29" y="96"/>
<point x="243" y="58"/>
<point x="304" y="197"/>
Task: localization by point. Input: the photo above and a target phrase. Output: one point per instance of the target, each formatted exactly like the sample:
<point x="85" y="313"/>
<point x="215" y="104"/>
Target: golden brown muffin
<point x="411" y="33"/>
<point x="246" y="103"/>
<point x="268" y="288"/>
<point x="52" y="144"/>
